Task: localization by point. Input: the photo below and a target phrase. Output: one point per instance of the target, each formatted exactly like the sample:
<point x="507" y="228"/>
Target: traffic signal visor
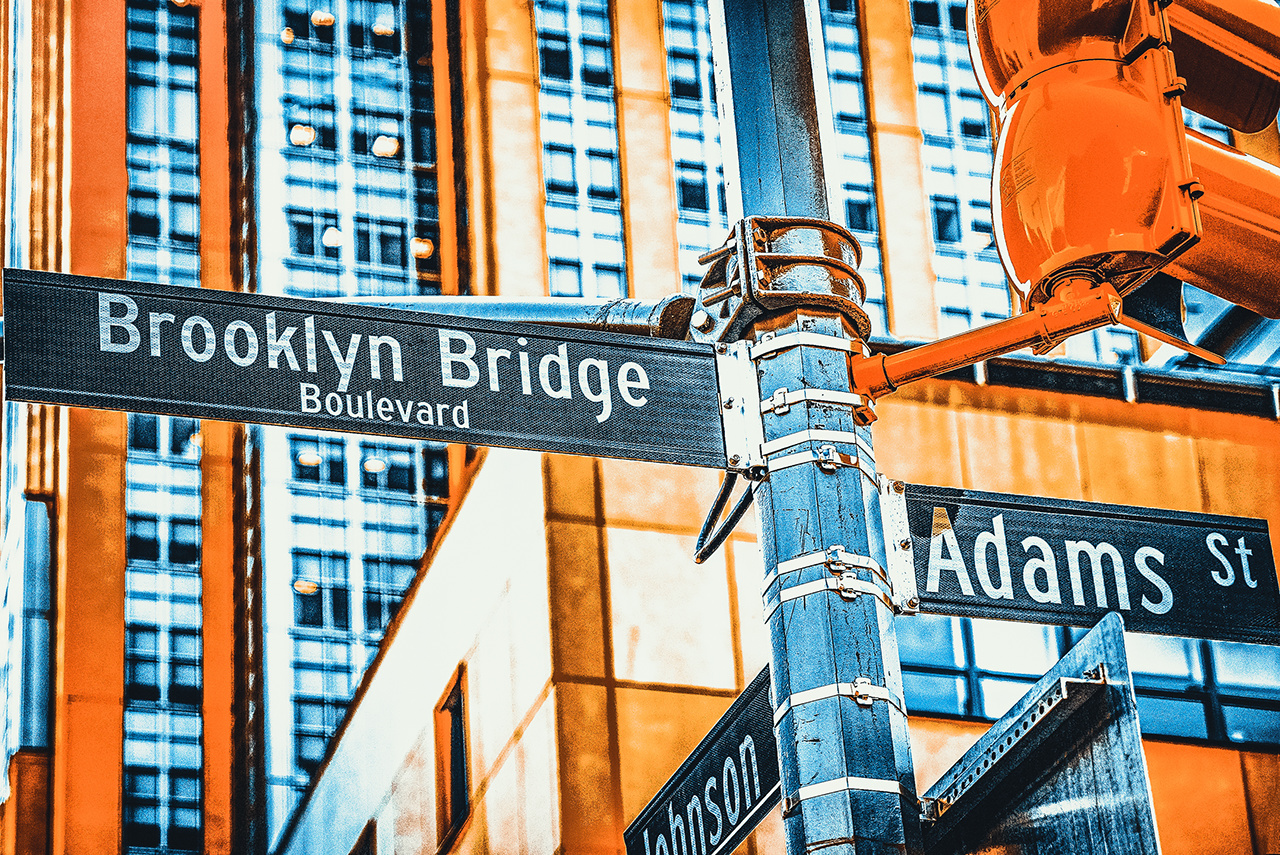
<point x="1096" y="176"/>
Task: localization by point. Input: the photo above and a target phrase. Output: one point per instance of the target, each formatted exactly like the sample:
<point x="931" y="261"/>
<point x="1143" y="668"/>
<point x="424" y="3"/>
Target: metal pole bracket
<point x="769" y="264"/>
<point x="740" y="412"/>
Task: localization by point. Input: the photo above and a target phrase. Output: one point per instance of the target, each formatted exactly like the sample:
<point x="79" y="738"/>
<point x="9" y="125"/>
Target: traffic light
<point x="1097" y="177"/>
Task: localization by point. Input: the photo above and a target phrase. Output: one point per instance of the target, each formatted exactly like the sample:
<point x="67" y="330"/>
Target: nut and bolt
<point x="735" y="459"/>
<point x="728" y="403"/>
<point x="899" y="487"/>
<point x="702" y="321"/>
<point x="904" y="543"/>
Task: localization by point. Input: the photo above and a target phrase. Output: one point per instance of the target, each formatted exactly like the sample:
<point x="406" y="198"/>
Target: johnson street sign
<point x="317" y="364"/>
<point x="721" y="791"/>
<point x="1053" y="561"/>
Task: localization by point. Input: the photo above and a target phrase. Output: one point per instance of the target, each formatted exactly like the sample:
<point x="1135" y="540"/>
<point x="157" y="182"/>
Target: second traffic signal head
<point x="1095" y="177"/>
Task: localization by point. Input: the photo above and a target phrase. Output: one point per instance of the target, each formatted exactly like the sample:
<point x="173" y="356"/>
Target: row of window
<point x="383" y="467"/>
<point x="143" y="541"/>
<point x="379" y="136"/>
<point x="1187" y="688"/>
<point x="317" y="30"/>
<point x="322" y="594"/>
<point x="162" y="666"/>
<point x="163" y="808"/>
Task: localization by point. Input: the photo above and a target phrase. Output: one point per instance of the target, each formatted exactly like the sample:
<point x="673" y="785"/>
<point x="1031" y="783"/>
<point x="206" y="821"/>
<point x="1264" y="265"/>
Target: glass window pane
<point x="999" y="695"/>
<point x="1250" y="724"/>
<point x="932" y="693"/>
<point x="1160" y="656"/>
<point x="1017" y="648"/>
<point x="1246" y="666"/>
<point x="1172" y="717"/>
<point x="930" y="640"/>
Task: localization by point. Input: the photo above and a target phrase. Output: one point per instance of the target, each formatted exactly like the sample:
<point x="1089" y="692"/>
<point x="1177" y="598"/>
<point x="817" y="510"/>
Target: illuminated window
<point x="321" y="593"/>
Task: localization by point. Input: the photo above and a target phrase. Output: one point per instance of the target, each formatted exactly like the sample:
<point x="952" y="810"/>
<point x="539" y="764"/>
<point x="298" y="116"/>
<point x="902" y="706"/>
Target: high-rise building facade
<point x="196" y="611"/>
<point x="347" y="203"/>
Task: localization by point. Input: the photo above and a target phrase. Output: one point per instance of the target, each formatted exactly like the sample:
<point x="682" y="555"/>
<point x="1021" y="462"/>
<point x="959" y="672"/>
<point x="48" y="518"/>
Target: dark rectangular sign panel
<point x="722" y="790"/>
<point x="993" y="555"/>
<point x="333" y="366"/>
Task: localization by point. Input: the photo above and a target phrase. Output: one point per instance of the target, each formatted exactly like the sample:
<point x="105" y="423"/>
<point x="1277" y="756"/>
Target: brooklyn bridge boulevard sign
<point x="316" y="364"/>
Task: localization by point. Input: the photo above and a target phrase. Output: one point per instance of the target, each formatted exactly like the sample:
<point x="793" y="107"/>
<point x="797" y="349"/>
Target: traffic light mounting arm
<point x="1078" y="307"/>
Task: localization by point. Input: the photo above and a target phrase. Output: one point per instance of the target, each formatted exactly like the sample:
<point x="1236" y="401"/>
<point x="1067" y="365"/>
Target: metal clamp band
<point x="771" y="344"/>
<point x="781" y="401"/>
<point x="846" y="584"/>
<point x="862" y="690"/>
<point x="874" y="785"/>
<point x="817" y="435"/>
<point x="828" y="460"/>
<point x="835" y="557"/>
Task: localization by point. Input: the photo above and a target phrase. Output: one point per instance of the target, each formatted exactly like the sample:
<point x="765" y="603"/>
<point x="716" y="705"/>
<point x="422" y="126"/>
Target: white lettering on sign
<point x="736" y="794"/>
<point x="460" y="368"/>
<point x="123" y="325"/>
<point x="1227" y="576"/>
<point x="1040" y="578"/>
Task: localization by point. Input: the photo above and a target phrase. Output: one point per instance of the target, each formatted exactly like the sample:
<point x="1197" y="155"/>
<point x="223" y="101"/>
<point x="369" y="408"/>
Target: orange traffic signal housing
<point x="1096" y="175"/>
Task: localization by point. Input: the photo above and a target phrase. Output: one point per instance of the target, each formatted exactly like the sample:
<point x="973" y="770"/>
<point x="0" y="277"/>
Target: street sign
<point x="994" y="555"/>
<point x="1062" y="771"/>
<point x="721" y="791"/>
<point x="316" y="364"/>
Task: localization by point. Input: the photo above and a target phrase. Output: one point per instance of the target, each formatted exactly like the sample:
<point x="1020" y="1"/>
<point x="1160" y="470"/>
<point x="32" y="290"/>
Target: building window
<point x="566" y="278"/>
<point x="184" y="666"/>
<point x="387" y="467"/>
<point x="561" y="173"/>
<point x="314" y="234"/>
<point x="597" y="64"/>
<point x="924" y="13"/>
<point x="142" y="663"/>
<point x="143" y="432"/>
<point x="142" y="806"/>
<point x="182" y="436"/>
<point x="946" y="220"/>
<point x="380" y="242"/>
<point x="553" y="50"/>
<point x="436" y="476"/>
<point x="142" y="538"/>
<point x="185" y="830"/>
<point x="683" y="68"/>
<point x="604" y="175"/>
<point x="321" y="596"/>
<point x="385" y="580"/>
<point x="184" y="541"/>
<point x="691" y="187"/>
<point x="610" y="281"/>
<point x="452" y="789"/>
<point x="318" y="461"/>
<point x="144" y="214"/>
<point x="860" y="209"/>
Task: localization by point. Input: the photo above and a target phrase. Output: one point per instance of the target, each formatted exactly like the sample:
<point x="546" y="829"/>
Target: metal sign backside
<point x="721" y="791"/>
<point x="1062" y="771"/>
<point x="316" y="364"/>
<point x="994" y="555"/>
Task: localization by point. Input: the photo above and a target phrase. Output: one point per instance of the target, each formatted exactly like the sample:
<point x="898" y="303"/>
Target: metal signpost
<point x="1061" y="771"/>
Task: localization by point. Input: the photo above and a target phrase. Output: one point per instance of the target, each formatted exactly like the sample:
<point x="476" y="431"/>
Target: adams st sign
<point x="1053" y="561"/>
<point x="273" y="360"/>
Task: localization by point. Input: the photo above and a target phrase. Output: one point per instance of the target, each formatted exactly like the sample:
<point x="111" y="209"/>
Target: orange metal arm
<point x="1041" y="329"/>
